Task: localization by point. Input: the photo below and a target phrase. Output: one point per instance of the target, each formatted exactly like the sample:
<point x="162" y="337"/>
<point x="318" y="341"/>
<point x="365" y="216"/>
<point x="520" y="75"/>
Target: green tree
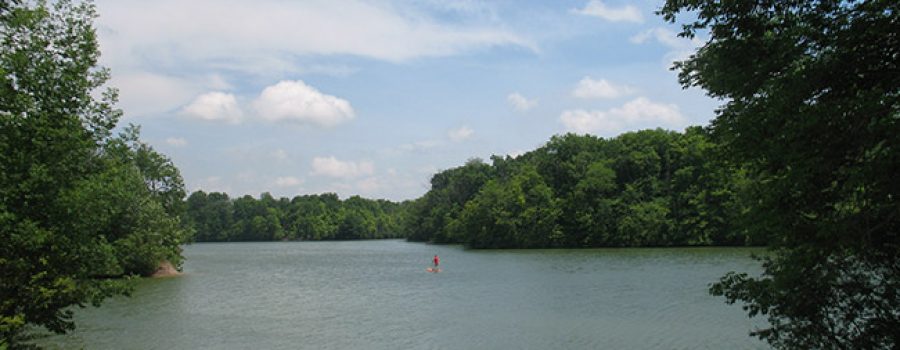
<point x="594" y="199"/>
<point x="196" y="208"/>
<point x="645" y="224"/>
<point x="705" y="193"/>
<point x="309" y="219"/>
<point x="811" y="93"/>
<point x="46" y="79"/>
<point x="76" y="204"/>
<point x="215" y="217"/>
<point x="450" y="190"/>
<point x="160" y="174"/>
<point x="649" y="187"/>
<point x="219" y="217"/>
<point x="518" y="213"/>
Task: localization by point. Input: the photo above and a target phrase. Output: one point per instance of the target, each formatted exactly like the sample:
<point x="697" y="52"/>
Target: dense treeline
<point x="217" y="218"/>
<point x="80" y="206"/>
<point x="645" y="188"/>
<point x="811" y="114"/>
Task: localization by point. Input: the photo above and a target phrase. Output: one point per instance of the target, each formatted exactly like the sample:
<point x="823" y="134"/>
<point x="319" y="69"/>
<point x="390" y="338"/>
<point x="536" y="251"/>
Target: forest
<point x="802" y="157"/>
<point x="215" y="217"/>
<point x="644" y="188"/>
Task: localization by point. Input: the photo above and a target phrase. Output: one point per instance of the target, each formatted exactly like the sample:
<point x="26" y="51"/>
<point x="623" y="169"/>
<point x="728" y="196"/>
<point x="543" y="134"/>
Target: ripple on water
<point x="376" y="295"/>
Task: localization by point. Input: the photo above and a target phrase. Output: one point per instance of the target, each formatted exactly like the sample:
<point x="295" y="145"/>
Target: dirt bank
<point x="166" y="269"/>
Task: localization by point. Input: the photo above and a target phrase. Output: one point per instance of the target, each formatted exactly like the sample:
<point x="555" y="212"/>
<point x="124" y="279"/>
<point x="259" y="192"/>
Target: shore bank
<point x="166" y="269"/>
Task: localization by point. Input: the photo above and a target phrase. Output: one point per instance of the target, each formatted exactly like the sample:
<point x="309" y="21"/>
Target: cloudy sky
<point x="372" y="98"/>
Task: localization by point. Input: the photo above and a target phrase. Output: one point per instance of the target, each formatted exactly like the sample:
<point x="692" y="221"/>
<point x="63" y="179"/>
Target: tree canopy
<point x="811" y="108"/>
<point x="79" y="204"/>
<point x="217" y="218"/>
<point x="645" y="188"/>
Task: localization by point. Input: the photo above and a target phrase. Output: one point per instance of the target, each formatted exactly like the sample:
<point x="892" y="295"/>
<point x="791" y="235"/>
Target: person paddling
<point x="437" y="261"/>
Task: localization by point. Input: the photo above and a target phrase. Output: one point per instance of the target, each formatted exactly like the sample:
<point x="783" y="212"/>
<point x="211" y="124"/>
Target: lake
<point x="377" y="295"/>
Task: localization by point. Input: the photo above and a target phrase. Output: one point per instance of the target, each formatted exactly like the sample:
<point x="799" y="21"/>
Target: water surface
<point x="377" y="295"/>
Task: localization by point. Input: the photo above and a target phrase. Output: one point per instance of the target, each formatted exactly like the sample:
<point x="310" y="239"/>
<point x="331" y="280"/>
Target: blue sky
<point x="372" y="98"/>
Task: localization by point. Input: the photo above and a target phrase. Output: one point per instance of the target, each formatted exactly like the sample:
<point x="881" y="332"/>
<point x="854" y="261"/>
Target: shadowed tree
<point x="77" y="204"/>
<point x="812" y="107"/>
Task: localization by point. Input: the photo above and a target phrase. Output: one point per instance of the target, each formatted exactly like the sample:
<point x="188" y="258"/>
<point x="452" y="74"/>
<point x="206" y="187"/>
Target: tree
<point x="46" y="78"/>
<point x="811" y="93"/>
<point x="649" y="187"/>
<point x="160" y="175"/>
<point x="76" y="207"/>
<point x="594" y="199"/>
<point x="215" y="217"/>
<point x="645" y="224"/>
<point x="450" y="190"/>
<point x="518" y="213"/>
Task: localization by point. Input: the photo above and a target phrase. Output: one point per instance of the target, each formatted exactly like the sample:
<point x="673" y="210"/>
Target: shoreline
<point x="165" y="269"/>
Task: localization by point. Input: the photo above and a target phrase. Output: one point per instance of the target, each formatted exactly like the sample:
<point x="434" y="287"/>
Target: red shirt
<point x="437" y="260"/>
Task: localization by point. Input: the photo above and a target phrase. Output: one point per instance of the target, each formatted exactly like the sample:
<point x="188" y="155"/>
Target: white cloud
<point x="520" y="103"/>
<point x="478" y="8"/>
<point x="286" y="101"/>
<point x="590" y="88"/>
<point x="582" y="121"/>
<point x="288" y="181"/>
<point x="294" y="101"/>
<point x="176" y="141"/>
<point x="460" y="134"/>
<point x="662" y="35"/>
<point x="332" y="167"/>
<point x="680" y="48"/>
<point x="638" y="113"/>
<point x="142" y="93"/>
<point x="204" y="45"/>
<point x="214" y="106"/>
<point x="221" y="30"/>
<point x="597" y="8"/>
<point x="642" y="109"/>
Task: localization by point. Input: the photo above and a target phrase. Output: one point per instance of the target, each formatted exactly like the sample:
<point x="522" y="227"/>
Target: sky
<point x="372" y="98"/>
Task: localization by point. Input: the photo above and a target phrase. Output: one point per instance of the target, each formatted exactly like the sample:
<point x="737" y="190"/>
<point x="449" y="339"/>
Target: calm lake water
<point x="377" y="295"/>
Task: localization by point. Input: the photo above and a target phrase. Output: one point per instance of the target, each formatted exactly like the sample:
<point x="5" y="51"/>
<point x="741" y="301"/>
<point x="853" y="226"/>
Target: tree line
<point x="215" y="217"/>
<point x="802" y="157"/>
<point x="644" y="188"/>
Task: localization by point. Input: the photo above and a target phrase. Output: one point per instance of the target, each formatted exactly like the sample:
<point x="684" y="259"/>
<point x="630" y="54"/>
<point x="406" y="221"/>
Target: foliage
<point x="519" y="212"/>
<point x="217" y="218"/>
<point x="646" y="188"/>
<point x="811" y="107"/>
<point x="430" y="216"/>
<point x="76" y="202"/>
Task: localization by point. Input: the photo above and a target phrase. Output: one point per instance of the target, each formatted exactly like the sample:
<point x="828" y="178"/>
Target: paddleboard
<point x="431" y="269"/>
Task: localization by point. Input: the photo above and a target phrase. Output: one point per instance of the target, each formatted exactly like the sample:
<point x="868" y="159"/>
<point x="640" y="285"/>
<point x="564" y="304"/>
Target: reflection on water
<point x="377" y="295"/>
